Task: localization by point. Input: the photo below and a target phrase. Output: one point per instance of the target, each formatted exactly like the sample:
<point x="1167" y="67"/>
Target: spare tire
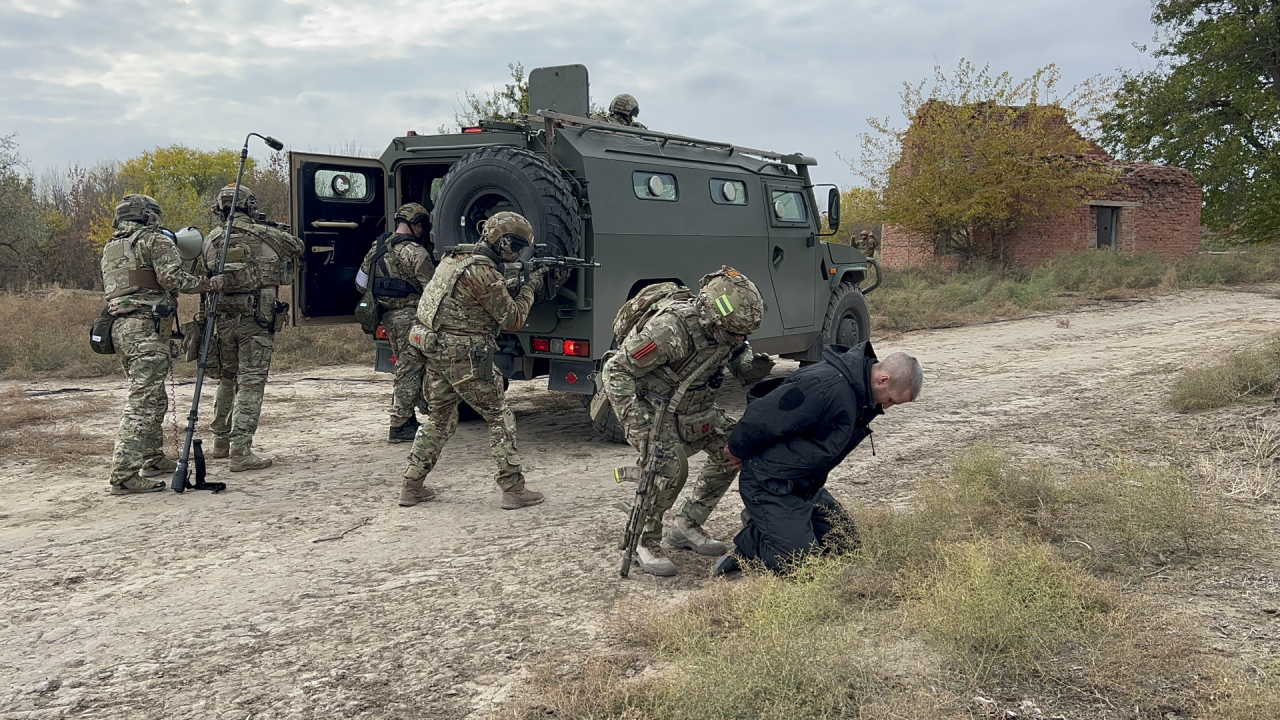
<point x="494" y="179"/>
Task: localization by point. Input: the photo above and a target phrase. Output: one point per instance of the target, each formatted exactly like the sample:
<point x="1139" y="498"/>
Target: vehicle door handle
<point x="777" y="256"/>
<point x="321" y="248"/>
<point x="330" y="224"/>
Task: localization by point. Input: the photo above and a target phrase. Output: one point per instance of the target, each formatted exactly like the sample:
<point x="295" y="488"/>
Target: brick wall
<point x="1160" y="213"/>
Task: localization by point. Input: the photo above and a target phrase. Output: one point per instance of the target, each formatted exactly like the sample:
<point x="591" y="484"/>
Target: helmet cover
<point x="245" y="199"/>
<point x="730" y="301"/>
<point x="139" y="208"/>
<point x="625" y="104"/>
<point x="412" y="213"/>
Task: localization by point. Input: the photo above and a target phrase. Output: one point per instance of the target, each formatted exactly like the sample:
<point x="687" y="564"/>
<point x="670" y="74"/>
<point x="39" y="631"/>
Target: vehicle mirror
<point x="833" y="209"/>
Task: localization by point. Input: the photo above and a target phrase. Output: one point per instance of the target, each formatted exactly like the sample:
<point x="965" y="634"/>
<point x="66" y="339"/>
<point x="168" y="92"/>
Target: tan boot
<point x="414" y="492"/>
<point x="221" y="449"/>
<point x="246" y="460"/>
<point x="651" y="560"/>
<point x="689" y="535"/>
<point x="519" y="496"/>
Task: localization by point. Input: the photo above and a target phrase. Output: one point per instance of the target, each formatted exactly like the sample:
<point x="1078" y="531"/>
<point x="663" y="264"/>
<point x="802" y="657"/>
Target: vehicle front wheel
<point x="848" y="321"/>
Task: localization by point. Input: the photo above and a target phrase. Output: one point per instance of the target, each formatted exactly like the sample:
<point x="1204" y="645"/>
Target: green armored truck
<point x="647" y="206"/>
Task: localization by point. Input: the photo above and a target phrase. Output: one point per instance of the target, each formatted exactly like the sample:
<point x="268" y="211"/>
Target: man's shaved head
<point x="897" y="379"/>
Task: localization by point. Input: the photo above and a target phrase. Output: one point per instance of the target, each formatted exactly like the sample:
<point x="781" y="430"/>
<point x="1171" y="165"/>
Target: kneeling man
<point x="794" y="432"/>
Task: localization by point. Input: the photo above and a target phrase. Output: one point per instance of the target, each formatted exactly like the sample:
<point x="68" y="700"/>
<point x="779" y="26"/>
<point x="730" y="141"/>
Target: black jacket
<point x="807" y="423"/>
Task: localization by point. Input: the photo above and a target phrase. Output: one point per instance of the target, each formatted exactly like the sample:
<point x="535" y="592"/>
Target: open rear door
<point x="339" y="206"/>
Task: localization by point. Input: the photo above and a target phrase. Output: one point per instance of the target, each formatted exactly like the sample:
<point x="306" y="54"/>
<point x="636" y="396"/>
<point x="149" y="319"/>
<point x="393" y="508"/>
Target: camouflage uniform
<point x="141" y="272"/>
<point x="461" y="312"/>
<point x="656" y="358"/>
<point x="409" y="261"/>
<point x="622" y="111"/>
<point x="244" y="331"/>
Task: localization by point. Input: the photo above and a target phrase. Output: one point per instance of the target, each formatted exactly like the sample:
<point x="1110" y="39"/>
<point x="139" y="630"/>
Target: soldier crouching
<point x="462" y="310"/>
<point x="703" y="335"/>
<point x="141" y="273"/>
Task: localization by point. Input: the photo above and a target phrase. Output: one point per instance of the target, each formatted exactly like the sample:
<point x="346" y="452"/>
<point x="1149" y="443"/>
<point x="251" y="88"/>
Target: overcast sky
<point x="88" y="81"/>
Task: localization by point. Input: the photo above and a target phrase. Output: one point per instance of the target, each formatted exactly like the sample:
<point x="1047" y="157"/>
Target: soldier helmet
<point x="245" y="199"/>
<point x="625" y="104"/>
<point x="412" y="213"/>
<point x="138" y="208"/>
<point x="508" y="233"/>
<point x="730" y="301"/>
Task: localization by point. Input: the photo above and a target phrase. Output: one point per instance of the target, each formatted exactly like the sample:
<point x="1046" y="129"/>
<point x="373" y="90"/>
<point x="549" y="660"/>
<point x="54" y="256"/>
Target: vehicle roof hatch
<point x="561" y="88"/>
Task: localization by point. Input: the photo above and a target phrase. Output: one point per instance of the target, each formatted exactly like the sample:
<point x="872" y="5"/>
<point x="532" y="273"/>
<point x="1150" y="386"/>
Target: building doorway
<point x="1108" y="224"/>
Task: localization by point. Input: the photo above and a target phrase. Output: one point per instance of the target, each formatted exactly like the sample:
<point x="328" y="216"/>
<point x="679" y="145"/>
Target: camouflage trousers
<point x="244" y="356"/>
<point x="681" y="437"/>
<point x="408" y="392"/>
<point x="144" y="354"/>
<point x="453" y="375"/>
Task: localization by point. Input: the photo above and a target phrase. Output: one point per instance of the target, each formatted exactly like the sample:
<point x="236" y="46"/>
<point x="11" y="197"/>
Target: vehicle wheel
<point x="847" y="322"/>
<point x="609" y="429"/>
<point x="494" y="179"/>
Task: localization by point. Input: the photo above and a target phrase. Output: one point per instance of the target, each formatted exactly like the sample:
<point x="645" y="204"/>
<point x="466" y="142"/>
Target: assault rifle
<point x="651" y="461"/>
<point x="517" y="273"/>
<point x="261" y="219"/>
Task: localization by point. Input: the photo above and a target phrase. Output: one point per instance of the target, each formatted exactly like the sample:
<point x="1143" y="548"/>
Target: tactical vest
<point x="251" y="276"/>
<point x="125" y="274"/>
<point x="440" y="311"/>
<point x="393" y="287"/>
<point x="665" y="379"/>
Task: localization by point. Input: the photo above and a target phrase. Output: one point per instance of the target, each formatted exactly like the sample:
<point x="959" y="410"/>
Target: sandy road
<point x="202" y="606"/>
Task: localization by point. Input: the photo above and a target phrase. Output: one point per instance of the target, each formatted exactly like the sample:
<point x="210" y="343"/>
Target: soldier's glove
<point x="760" y="367"/>
<point x="535" y="279"/>
<point x="216" y="283"/>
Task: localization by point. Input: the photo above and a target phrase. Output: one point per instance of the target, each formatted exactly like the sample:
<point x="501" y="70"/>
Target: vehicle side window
<point x="788" y="206"/>
<point x="653" y="185"/>
<point x="728" y="192"/>
<point x="342" y="185"/>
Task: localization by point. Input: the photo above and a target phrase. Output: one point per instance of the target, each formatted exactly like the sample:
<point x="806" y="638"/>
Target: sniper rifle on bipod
<point x="180" y="481"/>
<point x="652" y="461"/>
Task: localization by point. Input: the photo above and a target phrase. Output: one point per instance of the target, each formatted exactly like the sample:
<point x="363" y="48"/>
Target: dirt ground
<point x="246" y="604"/>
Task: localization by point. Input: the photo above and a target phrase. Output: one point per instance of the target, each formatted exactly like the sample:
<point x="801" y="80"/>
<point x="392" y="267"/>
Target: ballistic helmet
<point x="412" y="213"/>
<point x="730" y="301"/>
<point x="245" y="199"/>
<point x="625" y="104"/>
<point x="508" y="233"/>
<point x="142" y="209"/>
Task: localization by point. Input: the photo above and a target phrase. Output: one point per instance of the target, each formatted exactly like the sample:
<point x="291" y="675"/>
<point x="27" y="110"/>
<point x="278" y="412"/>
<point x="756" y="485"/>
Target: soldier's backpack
<point x="637" y="311"/>
<point x="368" y="312"/>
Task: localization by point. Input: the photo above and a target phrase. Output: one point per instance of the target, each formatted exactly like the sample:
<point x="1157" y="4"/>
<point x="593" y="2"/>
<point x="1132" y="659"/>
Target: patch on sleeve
<point x="791" y="400"/>
<point x="644" y="351"/>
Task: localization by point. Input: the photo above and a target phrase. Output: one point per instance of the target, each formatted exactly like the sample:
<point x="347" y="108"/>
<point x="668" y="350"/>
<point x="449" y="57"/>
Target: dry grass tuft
<point x="35" y="427"/>
<point x="1247" y="375"/>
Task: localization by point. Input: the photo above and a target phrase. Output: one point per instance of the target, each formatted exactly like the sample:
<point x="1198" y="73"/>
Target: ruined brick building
<point x="1149" y="207"/>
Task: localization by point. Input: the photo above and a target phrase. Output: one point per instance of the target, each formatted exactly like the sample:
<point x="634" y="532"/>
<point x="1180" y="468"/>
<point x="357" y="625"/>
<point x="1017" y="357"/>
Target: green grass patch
<point x="971" y="592"/>
<point x="1248" y="375"/>
<point x="931" y="296"/>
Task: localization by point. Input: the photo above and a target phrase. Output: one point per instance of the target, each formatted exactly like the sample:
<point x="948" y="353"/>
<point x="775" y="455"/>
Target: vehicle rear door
<point x="339" y="205"/>
<point x="793" y="253"/>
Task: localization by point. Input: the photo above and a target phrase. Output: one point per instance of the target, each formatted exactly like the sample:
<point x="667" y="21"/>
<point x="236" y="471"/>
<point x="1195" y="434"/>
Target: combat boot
<point x="404" y="433"/>
<point x="135" y="485"/>
<point x="519" y="496"/>
<point x="246" y="460"/>
<point x="163" y="466"/>
<point x="689" y="535"/>
<point x="651" y="560"/>
<point x="414" y="492"/>
<point x="728" y="563"/>
<point x="221" y="449"/>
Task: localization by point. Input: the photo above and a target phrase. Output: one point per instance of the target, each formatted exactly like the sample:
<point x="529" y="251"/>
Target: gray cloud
<point x="85" y="81"/>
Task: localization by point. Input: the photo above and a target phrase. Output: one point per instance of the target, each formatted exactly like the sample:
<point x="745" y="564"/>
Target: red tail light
<point x="472" y="130"/>
<point x="577" y="348"/>
<point x="542" y="345"/>
<point x="380" y="333"/>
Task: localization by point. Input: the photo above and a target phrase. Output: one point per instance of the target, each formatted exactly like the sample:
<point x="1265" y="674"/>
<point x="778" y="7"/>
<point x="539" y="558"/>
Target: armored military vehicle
<point x="648" y="206"/>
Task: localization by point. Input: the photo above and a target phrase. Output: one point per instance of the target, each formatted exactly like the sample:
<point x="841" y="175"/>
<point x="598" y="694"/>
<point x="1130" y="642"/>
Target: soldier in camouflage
<point x="461" y="312"/>
<point x="249" y="313"/>
<point x="705" y="335"/>
<point x="399" y="265"/>
<point x="141" y="273"/>
<point x="622" y="111"/>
